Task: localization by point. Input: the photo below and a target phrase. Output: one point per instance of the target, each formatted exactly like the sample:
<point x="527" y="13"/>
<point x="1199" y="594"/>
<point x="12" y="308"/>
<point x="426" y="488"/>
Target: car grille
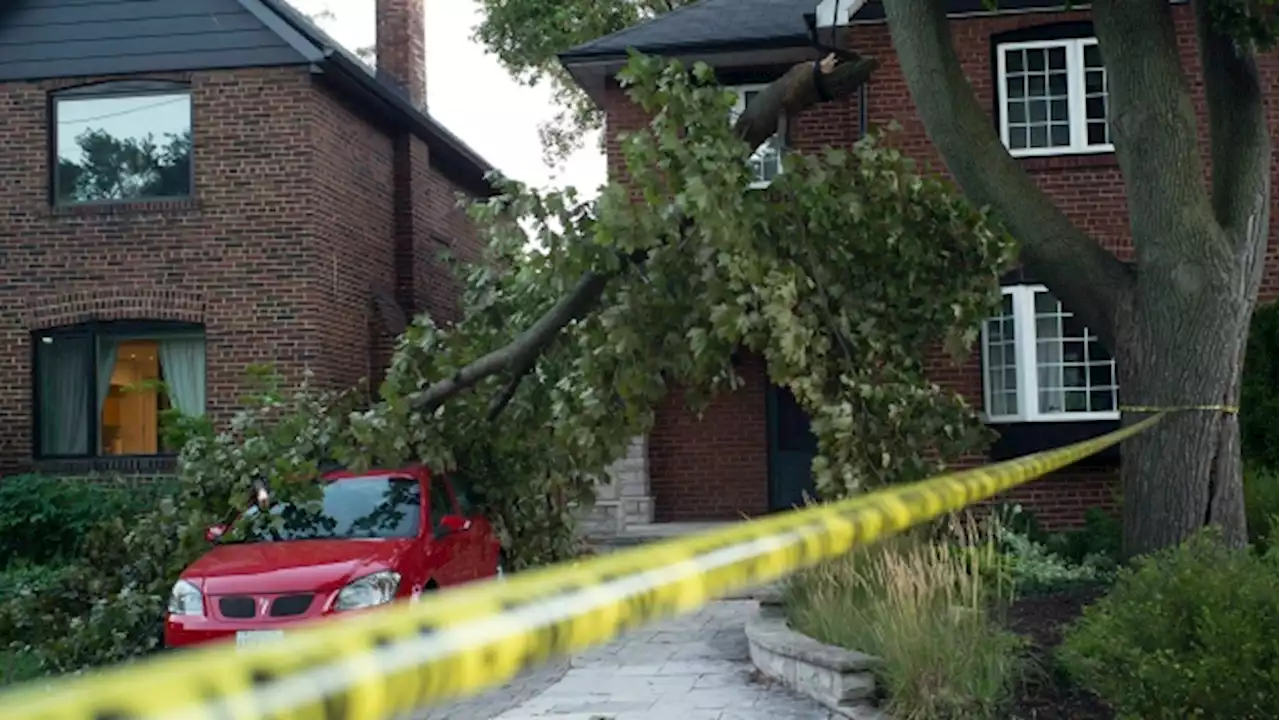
<point x="288" y="605"/>
<point x="238" y="606"/>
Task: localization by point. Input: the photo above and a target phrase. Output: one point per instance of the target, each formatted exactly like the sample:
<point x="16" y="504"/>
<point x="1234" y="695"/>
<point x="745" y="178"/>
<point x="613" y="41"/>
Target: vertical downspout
<point x="862" y="110"/>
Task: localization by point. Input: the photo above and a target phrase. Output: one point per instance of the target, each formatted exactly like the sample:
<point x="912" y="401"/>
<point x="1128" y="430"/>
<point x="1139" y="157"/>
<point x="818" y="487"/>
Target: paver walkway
<point x="691" y="668"/>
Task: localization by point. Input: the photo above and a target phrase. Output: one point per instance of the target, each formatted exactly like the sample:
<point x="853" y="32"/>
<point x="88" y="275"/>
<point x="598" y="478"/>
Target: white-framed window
<point x="1053" y="97"/>
<point x="1039" y="364"/>
<point x="766" y="161"/>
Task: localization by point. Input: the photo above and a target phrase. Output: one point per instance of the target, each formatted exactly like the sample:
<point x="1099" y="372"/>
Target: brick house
<point x="191" y="186"/>
<point x="1038" y="68"/>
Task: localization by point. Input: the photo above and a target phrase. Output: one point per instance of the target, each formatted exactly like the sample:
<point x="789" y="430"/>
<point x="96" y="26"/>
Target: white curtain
<point x="106" y="366"/>
<point x="182" y="363"/>
<point x="64" y="395"/>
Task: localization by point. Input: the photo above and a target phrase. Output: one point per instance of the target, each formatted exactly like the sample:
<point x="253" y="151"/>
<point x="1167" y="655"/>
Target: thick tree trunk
<point x="1177" y="350"/>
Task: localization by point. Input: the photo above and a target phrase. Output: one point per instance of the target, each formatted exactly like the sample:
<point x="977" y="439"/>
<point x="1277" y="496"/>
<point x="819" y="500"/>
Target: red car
<point x="374" y="537"/>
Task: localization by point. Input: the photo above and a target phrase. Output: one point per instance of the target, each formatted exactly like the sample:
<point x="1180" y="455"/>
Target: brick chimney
<point x="401" y="46"/>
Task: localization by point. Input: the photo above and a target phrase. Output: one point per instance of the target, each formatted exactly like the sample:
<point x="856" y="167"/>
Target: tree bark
<point x="795" y="91"/>
<point x="1178" y="324"/>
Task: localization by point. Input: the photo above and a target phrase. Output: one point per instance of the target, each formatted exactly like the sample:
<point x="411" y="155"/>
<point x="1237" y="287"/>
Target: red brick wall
<point x="219" y="258"/>
<point x="278" y="253"/>
<point x="1089" y="189"/>
<point x="716" y="467"/>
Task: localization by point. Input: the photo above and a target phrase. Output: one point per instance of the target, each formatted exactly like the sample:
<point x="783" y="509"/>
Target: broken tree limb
<point x="803" y="86"/>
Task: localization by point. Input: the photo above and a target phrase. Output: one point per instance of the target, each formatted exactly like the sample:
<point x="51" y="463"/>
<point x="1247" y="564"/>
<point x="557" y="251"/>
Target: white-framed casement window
<point x="1053" y="97"/>
<point x="766" y="161"/>
<point x="1039" y="364"/>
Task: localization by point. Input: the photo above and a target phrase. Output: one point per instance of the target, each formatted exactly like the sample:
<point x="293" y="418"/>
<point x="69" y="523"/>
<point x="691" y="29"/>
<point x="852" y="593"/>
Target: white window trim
<point x="1024" y="341"/>
<point x="1075" y="98"/>
<point x="740" y="106"/>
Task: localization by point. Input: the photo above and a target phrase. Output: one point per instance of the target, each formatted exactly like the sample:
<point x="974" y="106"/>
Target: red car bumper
<point x="188" y="630"/>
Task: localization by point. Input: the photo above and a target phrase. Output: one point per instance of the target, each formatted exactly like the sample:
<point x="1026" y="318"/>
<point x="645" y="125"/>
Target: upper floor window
<point x="766" y="161"/>
<point x="1053" y="97"/>
<point x="121" y="141"/>
<point x="1039" y="364"/>
<point x="102" y="389"/>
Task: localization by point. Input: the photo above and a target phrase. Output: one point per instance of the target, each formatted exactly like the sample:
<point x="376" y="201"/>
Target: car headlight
<point x="185" y="599"/>
<point x="375" y="589"/>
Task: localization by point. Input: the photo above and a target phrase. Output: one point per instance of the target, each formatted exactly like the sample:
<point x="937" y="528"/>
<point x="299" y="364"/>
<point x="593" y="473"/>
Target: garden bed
<point x="1050" y="695"/>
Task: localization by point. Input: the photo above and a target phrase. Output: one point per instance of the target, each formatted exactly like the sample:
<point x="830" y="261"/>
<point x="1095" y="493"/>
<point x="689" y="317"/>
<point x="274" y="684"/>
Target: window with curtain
<point x="107" y="389"/>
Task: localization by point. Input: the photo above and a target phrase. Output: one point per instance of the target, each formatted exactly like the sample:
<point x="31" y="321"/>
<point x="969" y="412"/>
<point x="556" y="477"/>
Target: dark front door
<point x="792" y="446"/>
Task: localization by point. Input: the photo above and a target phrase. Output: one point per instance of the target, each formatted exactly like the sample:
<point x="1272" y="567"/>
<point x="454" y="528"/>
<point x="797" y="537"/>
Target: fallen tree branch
<point x="803" y="86"/>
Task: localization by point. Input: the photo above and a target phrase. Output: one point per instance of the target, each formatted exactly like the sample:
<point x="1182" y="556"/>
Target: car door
<point x="481" y="545"/>
<point x="446" y="551"/>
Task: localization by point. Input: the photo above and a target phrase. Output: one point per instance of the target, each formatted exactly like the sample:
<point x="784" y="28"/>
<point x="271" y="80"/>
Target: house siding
<point x="54" y="38"/>
<point x="718" y="466"/>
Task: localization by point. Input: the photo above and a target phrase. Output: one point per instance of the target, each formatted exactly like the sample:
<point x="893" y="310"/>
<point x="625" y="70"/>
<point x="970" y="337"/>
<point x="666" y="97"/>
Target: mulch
<point x="1049" y="694"/>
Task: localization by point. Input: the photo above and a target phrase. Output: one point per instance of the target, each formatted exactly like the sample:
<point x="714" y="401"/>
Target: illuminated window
<point x="106" y="389"/>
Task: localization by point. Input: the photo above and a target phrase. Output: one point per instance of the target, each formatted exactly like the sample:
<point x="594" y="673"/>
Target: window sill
<point x="122" y="464"/>
<point x="174" y="206"/>
<point x="1053" y="418"/>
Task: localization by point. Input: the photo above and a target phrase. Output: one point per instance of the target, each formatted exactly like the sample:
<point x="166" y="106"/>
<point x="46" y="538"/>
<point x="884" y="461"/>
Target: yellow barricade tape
<point x="386" y="663"/>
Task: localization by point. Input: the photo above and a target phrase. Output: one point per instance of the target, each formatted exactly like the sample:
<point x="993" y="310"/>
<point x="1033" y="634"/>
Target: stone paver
<point x="692" y="668"/>
<point x="497" y="701"/>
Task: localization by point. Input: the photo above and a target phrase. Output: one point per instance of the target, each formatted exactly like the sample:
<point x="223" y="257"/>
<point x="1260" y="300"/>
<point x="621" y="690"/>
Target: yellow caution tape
<point x="386" y="663"/>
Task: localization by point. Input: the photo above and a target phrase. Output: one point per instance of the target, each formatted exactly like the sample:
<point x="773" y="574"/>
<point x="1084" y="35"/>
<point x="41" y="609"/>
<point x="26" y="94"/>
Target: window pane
<point x="1057" y="58"/>
<point x="63" y="379"/>
<point x="1017" y="112"/>
<point x="1058" y="110"/>
<point x="441" y="503"/>
<point x="1035" y="59"/>
<point x="1058" y="84"/>
<point x="1098" y="134"/>
<point x="1093" y="82"/>
<point x="1036" y="86"/>
<point x="1095" y="108"/>
<point x="1092" y="56"/>
<point x="1013" y="61"/>
<point x="131" y="403"/>
<point x="1039" y="110"/>
<point x="1060" y="135"/>
<point x="122" y="148"/>
<point x="1073" y="371"/>
<point x="1015" y="87"/>
<point x="1017" y="138"/>
<point x="1039" y="136"/>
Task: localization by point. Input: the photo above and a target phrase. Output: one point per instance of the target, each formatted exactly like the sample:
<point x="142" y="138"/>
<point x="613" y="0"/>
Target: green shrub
<point x="45" y="519"/>
<point x="1260" y="391"/>
<point x="1101" y="536"/>
<point x="1187" y="632"/>
<point x="1261" y="501"/>
<point x="1031" y="568"/>
<point x="924" y="607"/>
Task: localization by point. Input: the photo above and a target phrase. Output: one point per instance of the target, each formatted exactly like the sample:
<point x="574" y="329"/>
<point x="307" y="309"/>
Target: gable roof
<point x="727" y="25"/>
<point x="41" y="39"/>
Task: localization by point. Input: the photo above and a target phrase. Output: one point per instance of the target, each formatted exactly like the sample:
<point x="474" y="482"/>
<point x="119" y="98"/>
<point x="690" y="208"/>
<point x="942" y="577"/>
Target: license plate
<point x="249" y="638"/>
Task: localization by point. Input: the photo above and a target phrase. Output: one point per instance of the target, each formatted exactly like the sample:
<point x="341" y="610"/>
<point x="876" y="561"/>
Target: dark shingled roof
<point x="714" y="25"/>
<point x="707" y="23"/>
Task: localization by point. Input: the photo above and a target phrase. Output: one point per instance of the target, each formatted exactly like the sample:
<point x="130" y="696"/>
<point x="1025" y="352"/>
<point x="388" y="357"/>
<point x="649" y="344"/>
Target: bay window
<point x="1040" y="364"/>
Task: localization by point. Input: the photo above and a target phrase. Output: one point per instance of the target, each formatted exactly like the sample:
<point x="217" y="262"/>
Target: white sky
<point x="470" y="94"/>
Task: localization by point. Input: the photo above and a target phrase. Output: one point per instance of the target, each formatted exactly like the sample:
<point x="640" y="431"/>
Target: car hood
<point x="293" y="566"/>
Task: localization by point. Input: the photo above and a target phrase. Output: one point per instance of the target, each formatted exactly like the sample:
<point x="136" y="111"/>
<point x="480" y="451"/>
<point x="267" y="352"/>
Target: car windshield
<point x="367" y="507"/>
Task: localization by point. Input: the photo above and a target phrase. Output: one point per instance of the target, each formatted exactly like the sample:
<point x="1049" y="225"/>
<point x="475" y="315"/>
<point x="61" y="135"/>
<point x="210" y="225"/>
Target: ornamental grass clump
<point x="929" y="611"/>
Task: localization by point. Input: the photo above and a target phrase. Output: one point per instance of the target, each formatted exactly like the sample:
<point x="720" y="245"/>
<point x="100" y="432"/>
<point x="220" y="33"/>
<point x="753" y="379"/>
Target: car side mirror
<point x="450" y="524"/>
<point x="213" y="532"/>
